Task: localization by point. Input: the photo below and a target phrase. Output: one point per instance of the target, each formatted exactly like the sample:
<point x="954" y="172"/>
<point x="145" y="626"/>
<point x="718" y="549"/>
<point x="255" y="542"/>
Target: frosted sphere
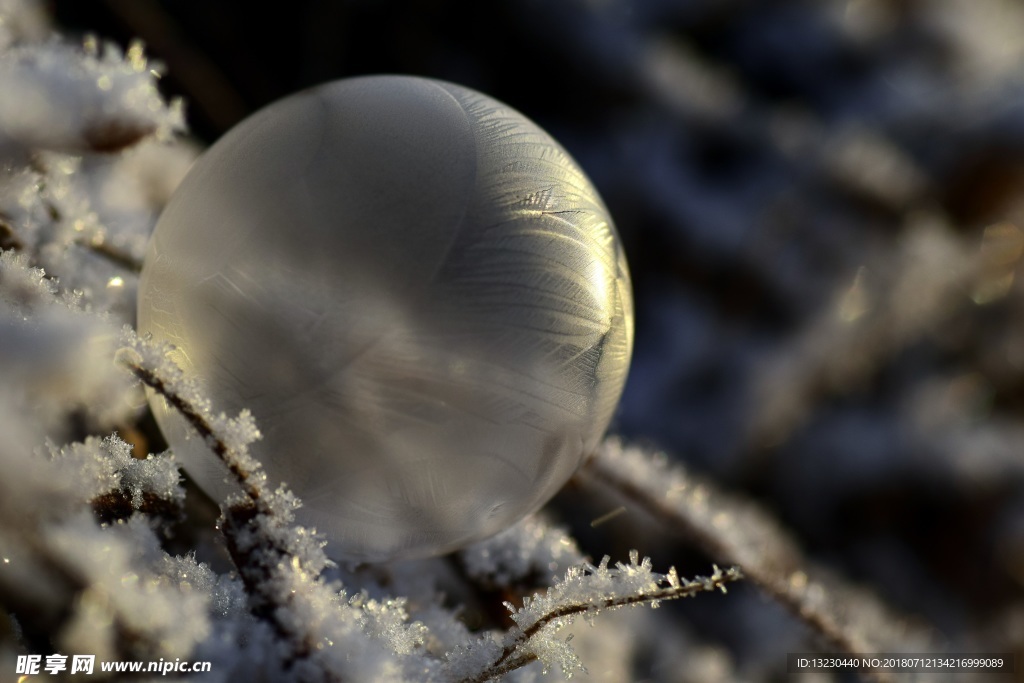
<point x="416" y="292"/>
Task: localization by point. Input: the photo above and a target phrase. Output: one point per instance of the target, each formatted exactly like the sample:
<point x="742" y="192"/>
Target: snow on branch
<point x="280" y="563"/>
<point x="116" y="484"/>
<point x="63" y="98"/>
<point x="22" y="287"/>
<point x="72" y="583"/>
<point x="228" y="438"/>
<point x="531" y="550"/>
<point x="84" y="133"/>
<point x="586" y="590"/>
<point x="738" y="532"/>
<point x="56" y="359"/>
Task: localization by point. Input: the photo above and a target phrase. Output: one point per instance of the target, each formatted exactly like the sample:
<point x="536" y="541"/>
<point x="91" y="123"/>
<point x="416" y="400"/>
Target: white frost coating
<point x="739" y="531"/>
<point x="281" y="565"/>
<point x="417" y="293"/>
<point x="584" y="590"/>
<point x="59" y="99"/>
<point x="531" y="546"/>
<point x="227" y="598"/>
<point x="235" y="433"/>
<point x="90" y="463"/>
<point x="388" y="620"/>
<point x="170" y="615"/>
<point x="23" y="287"/>
<point x="56" y="356"/>
<point x="592" y="585"/>
<point x="373" y="636"/>
<point x="593" y="588"/>
<point x="107" y="464"/>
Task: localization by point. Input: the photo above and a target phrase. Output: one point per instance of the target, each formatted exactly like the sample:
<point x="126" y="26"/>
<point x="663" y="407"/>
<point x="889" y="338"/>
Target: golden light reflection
<point x="136" y="56"/>
<point x="854" y="302"/>
<point x="1002" y="245"/>
<point x="608" y="516"/>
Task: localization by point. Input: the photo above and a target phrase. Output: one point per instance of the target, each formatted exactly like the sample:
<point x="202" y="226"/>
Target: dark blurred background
<point x="822" y="205"/>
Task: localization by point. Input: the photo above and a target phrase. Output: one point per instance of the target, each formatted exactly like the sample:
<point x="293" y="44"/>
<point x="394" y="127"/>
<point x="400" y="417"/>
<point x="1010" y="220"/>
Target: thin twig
<point x="507" y="662"/>
<point x="9" y="238"/>
<point x="768" y="556"/>
<point x="255" y="562"/>
<point x="118" y="505"/>
<point x="116" y="256"/>
<point x="200" y="424"/>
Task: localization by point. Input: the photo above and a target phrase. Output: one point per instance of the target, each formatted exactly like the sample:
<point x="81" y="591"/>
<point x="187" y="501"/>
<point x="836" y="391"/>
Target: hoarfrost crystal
<point x="417" y="293"/>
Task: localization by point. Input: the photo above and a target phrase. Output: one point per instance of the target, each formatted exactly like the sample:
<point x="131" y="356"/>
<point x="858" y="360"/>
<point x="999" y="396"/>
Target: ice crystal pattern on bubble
<point x="435" y="342"/>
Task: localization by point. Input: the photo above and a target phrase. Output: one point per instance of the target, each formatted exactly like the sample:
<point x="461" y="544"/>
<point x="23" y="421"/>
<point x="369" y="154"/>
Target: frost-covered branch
<point x="280" y="563"/>
<point x="116" y="484"/>
<point x="64" y="576"/>
<point x="76" y="123"/>
<point x="256" y="555"/>
<point x="228" y="438"/>
<point x="736" y="531"/>
<point x="586" y="590"/>
<point x="96" y="98"/>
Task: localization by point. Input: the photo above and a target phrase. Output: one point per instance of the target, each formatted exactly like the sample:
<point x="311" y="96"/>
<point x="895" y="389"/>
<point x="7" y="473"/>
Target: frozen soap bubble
<point x="417" y="293"/>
